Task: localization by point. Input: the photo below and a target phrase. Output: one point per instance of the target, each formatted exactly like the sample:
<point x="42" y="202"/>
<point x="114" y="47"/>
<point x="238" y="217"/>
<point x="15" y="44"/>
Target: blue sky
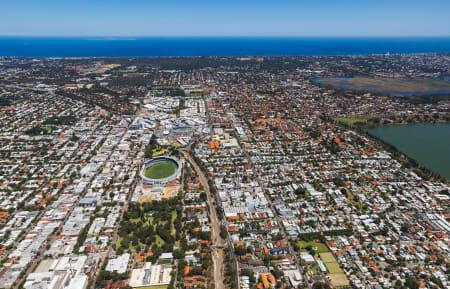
<point x="225" y="18"/>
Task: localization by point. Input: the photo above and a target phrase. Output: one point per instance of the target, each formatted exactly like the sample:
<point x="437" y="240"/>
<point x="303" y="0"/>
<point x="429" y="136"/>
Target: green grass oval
<point x="160" y="170"/>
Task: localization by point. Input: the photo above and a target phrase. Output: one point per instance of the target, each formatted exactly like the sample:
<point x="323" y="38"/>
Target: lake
<point x="428" y="144"/>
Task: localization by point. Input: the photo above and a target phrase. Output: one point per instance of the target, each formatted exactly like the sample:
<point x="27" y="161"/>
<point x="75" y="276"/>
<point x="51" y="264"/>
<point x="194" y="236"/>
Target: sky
<point x="225" y="18"/>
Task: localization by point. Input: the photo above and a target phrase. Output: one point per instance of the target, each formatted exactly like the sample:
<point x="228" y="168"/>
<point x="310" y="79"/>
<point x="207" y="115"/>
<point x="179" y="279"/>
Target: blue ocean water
<point x="217" y="46"/>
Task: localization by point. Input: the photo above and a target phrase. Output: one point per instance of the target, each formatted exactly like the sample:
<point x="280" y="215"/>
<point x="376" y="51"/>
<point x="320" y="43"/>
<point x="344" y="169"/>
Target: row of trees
<point x="61" y="120"/>
<point x="318" y="235"/>
<point x="38" y="130"/>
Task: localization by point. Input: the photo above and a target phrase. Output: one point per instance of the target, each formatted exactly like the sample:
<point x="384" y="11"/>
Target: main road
<point x="217" y="241"/>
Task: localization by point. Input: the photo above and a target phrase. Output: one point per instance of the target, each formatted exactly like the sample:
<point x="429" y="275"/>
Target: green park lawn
<point x="321" y="248"/>
<point x="160" y="170"/>
<point x="330" y="262"/>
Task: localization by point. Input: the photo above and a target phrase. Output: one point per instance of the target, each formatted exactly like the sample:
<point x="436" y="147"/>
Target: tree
<point x="411" y="283"/>
<point x="240" y="250"/>
<point x="437" y="281"/>
<point x="223" y="232"/>
<point x="178" y="254"/>
<point x="321" y="285"/>
<point x="125" y="243"/>
<point x="277" y="237"/>
<point x="134" y="240"/>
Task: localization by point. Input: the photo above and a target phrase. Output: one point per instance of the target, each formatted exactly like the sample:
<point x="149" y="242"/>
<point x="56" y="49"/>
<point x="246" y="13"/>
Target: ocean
<point x="217" y="46"/>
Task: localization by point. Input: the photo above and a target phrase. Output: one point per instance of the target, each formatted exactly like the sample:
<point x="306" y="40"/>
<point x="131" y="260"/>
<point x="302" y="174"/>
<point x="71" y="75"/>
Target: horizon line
<point x="229" y="36"/>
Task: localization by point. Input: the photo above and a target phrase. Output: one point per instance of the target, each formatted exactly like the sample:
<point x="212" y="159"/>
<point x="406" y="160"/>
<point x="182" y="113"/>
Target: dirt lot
<point x="338" y="280"/>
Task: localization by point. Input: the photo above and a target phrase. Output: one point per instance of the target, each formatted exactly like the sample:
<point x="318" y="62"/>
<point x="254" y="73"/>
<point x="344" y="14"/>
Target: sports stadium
<point x="160" y="171"/>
